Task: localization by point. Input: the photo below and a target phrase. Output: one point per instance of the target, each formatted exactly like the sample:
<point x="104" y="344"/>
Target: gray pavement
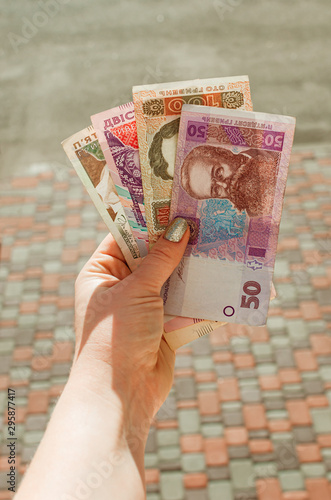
<point x="63" y="60"/>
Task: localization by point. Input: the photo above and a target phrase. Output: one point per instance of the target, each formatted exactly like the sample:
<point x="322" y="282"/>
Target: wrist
<point x="95" y="378"/>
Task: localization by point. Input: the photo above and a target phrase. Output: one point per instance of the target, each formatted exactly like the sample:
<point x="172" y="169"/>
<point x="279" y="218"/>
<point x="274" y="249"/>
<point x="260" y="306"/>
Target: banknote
<point x="84" y="152"/>
<point x="179" y="331"/>
<point x="117" y="134"/>
<point x="157" y="111"/>
<point x="230" y="175"/>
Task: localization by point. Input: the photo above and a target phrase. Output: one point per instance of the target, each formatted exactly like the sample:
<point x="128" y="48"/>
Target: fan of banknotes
<point x="193" y="149"/>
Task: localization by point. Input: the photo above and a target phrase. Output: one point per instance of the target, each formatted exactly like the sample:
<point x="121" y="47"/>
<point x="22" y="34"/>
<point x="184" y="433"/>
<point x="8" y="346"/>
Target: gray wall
<point x="88" y="54"/>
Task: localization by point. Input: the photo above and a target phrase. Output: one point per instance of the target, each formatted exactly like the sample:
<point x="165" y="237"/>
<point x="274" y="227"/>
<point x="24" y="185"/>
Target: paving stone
<point x="5" y="363"/>
<point x="43" y="347"/>
<point x="27" y="320"/>
<point x="207" y="386"/>
<point x="196" y="495"/>
<point x="189" y="421"/>
<point x="291" y="480"/>
<point x="183" y="361"/>
<point x="212" y="429"/>
<point x="28" y="453"/>
<point x="58" y="380"/>
<point x="6" y="346"/>
<point x="40" y="385"/>
<point x="193" y="462"/>
<point x="242" y="473"/>
<point x="250" y="391"/>
<point x="303" y="434"/>
<point x="151" y="460"/>
<point x="282" y="268"/>
<point x="201" y="348"/>
<point x="203" y="363"/>
<point x="323" y="297"/>
<point x="61" y="369"/>
<point x="22" y="391"/>
<point x="258" y="434"/>
<point x="32" y="285"/>
<point x="210" y="419"/>
<point x="171" y="486"/>
<point x="168" y="410"/>
<point x="321" y="419"/>
<point x="240" y="344"/>
<point x="262" y="352"/>
<point x="298" y="333"/>
<point x="233" y="418"/>
<point x="238" y="452"/>
<point x="167" y="437"/>
<point x="294" y="391"/>
<point x="64" y="334"/>
<point x="267" y="369"/>
<point x="312" y="384"/>
<point x="24" y="337"/>
<point x="224" y="370"/>
<point x="36" y="422"/>
<point x="41" y="376"/>
<point x="276" y="324"/>
<point x="8" y="313"/>
<point x="285" y="452"/>
<point x="247" y="373"/>
<point x="325" y="373"/>
<point x="316" y="326"/>
<point x="326" y="454"/>
<point x="20" y="373"/>
<point x="185" y="388"/>
<point x="323" y="360"/>
<point x="168" y="455"/>
<point x="284" y="358"/>
<point x="313" y="470"/>
<point x="218" y="473"/>
<point x="32" y="437"/>
<point x="220" y="490"/>
<point x="266" y="469"/>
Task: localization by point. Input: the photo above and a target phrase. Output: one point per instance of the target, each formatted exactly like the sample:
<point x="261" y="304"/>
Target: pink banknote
<point x="229" y="182"/>
<point x="117" y="133"/>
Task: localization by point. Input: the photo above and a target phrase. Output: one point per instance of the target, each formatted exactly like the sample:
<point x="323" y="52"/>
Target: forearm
<point x="85" y="447"/>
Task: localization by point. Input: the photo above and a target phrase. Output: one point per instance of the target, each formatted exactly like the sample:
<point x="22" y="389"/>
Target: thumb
<point x="164" y="256"/>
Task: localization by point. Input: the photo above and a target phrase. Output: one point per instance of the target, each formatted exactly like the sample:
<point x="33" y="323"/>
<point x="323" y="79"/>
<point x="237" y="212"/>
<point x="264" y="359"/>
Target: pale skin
<point x="121" y="374"/>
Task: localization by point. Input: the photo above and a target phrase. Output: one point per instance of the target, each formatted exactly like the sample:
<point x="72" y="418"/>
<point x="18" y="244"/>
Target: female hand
<point x="119" y="325"/>
<point x="122" y="371"/>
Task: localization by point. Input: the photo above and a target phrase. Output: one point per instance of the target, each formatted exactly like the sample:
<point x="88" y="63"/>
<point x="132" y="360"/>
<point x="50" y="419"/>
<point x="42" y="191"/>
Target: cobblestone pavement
<point x="249" y="413"/>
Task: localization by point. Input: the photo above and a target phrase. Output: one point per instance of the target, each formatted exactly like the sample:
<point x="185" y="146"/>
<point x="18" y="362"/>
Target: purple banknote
<point x="230" y="175"/>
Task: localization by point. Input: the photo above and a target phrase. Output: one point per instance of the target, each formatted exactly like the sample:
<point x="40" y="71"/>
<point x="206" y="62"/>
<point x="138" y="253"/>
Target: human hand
<point x="119" y="326"/>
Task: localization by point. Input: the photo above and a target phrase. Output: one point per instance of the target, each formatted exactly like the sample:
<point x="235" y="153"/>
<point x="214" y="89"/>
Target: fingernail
<point x="176" y="230"/>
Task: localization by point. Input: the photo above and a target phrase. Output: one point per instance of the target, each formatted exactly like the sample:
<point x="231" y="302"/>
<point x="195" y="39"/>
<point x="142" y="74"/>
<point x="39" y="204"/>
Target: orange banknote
<point x="157" y="110"/>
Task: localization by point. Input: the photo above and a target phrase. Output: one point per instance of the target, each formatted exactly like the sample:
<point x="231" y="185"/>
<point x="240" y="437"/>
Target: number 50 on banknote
<point x="229" y="182"/>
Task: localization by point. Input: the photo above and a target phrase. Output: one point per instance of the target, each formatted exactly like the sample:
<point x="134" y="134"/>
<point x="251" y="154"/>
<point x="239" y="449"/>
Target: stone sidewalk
<point x="249" y="413"/>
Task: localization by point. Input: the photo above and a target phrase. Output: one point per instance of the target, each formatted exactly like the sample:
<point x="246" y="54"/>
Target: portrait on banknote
<point x="162" y="151"/>
<point x="247" y="179"/>
<point x="99" y="175"/>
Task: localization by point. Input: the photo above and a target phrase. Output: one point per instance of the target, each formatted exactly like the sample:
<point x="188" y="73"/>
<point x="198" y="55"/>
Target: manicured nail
<point x="176" y="230"/>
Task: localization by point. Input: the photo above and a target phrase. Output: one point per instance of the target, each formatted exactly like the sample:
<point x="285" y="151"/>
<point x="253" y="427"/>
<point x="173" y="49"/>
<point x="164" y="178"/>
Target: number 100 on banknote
<point x="229" y="182"/>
